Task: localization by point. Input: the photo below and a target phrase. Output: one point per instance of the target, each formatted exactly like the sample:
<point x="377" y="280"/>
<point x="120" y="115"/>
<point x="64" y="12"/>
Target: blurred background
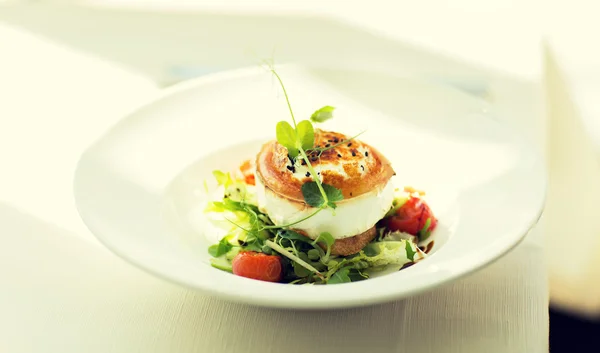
<point x="537" y="62"/>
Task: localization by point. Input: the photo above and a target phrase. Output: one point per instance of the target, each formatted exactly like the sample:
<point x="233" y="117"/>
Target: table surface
<point x="65" y="293"/>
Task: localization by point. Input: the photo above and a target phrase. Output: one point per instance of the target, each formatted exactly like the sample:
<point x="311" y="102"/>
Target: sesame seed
<point x="350" y="144"/>
<point x="327" y="145"/>
<point x="291" y="168"/>
<point x="329" y="140"/>
<point x="353" y="154"/>
<point x="336" y="140"/>
<point x="362" y="167"/>
<point x="366" y="154"/>
<point x="339" y="155"/>
<point x="307" y="174"/>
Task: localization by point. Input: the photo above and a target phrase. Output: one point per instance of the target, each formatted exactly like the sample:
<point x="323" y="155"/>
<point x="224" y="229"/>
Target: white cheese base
<point x="351" y="217"/>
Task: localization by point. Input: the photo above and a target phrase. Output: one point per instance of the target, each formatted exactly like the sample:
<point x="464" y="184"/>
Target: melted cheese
<point x="351" y="217"/>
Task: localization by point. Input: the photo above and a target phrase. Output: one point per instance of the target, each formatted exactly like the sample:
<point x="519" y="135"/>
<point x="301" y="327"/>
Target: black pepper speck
<point x="307" y="174"/>
<point x="291" y="168"/>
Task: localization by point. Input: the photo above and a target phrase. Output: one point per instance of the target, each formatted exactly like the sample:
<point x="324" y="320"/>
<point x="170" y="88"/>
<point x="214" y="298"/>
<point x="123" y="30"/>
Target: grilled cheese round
<point x="359" y="171"/>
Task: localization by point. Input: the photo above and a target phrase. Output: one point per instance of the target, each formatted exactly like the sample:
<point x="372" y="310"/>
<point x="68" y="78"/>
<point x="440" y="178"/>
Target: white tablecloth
<point x="62" y="292"/>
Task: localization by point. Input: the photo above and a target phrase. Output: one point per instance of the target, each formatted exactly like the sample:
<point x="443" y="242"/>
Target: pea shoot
<point x="297" y="140"/>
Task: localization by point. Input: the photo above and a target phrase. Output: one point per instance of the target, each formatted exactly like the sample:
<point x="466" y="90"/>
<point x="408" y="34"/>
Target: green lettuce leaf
<point x="385" y="253"/>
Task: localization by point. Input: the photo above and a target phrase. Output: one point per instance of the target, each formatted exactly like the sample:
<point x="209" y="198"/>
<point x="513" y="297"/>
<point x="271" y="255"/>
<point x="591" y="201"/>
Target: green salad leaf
<point x="333" y="195"/>
<point x="291" y="235"/>
<point x="313" y="196"/>
<point x="388" y="253"/>
<point x="286" y="136"/>
<point x="328" y="239"/>
<point x="425" y="232"/>
<point x="396" y="204"/>
<point x="221" y="248"/>
<point x="356" y="275"/>
<point x="410" y="253"/>
<point x="306" y="134"/>
<point x="222" y="178"/>
<point x="341" y="276"/>
<point x="322" y="114"/>
<point x="222" y="264"/>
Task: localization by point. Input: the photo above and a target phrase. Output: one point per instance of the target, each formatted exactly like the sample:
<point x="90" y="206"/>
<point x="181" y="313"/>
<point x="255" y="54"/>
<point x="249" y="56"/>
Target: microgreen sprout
<point x="297" y="140"/>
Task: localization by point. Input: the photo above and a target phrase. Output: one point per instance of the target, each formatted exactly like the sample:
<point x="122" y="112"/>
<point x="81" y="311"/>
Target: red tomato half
<point x="411" y="217"/>
<point x="258" y="266"/>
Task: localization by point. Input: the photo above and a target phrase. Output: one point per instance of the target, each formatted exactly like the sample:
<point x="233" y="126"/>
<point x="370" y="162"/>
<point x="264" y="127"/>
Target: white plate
<point x="138" y="187"/>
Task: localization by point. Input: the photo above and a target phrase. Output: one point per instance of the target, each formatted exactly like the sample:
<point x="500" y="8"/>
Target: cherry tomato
<point x="248" y="172"/>
<point x="258" y="266"/>
<point x="411" y="217"/>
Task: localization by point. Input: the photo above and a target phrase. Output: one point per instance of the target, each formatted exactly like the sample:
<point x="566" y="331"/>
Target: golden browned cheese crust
<point x="353" y="167"/>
